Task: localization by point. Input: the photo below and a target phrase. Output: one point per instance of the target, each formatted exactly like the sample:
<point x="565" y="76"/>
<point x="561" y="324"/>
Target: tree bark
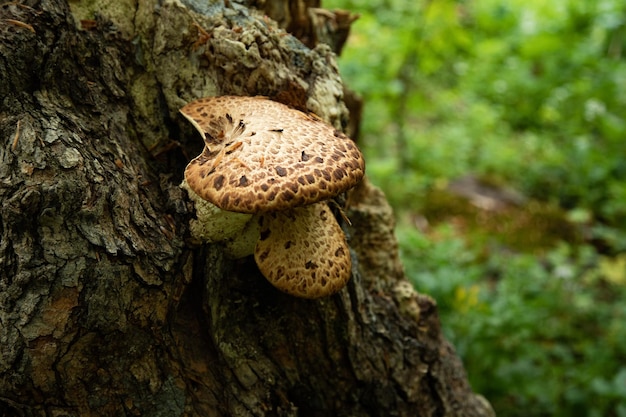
<point x="106" y="306"/>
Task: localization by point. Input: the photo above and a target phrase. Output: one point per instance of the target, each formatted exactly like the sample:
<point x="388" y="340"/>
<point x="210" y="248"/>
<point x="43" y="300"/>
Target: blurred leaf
<point x="614" y="269"/>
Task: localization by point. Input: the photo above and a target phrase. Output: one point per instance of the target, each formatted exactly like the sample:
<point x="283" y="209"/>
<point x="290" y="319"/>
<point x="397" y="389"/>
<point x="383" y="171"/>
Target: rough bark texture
<point x="106" y="308"/>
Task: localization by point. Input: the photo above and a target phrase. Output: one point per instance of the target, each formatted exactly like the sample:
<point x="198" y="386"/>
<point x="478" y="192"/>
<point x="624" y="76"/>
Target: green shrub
<point x="540" y="337"/>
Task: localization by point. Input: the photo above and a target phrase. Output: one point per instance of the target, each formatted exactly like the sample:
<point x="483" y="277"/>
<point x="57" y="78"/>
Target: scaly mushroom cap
<point x="261" y="155"/>
<point x="303" y="251"/>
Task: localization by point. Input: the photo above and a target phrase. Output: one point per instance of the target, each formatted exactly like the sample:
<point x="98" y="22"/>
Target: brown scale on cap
<point x="262" y="156"/>
<point x="303" y="251"/>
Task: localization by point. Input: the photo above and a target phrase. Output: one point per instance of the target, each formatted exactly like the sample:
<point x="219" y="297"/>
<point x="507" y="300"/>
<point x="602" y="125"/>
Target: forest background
<point x="496" y="129"/>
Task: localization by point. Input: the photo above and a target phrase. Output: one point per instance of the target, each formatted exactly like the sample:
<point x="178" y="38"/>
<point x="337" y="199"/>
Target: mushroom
<point x="265" y="159"/>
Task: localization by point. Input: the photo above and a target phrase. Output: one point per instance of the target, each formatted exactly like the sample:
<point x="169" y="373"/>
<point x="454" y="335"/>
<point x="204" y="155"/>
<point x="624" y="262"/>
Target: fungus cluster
<point x="269" y="170"/>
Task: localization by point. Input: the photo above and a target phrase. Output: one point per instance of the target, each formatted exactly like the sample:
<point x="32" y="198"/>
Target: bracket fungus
<point x="269" y="170"/>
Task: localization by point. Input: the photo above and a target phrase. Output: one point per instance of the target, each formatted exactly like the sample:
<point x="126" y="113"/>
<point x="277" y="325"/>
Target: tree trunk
<point x="107" y="307"/>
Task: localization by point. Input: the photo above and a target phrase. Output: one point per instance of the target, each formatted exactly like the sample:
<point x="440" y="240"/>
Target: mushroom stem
<point x="238" y="231"/>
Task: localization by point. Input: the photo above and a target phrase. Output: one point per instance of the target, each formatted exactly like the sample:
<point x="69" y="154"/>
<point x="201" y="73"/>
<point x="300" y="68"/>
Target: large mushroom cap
<point x="261" y="155"/>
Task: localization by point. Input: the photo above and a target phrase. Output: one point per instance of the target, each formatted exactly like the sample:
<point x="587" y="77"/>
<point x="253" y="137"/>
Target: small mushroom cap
<point x="303" y="251"/>
<point x="262" y="155"/>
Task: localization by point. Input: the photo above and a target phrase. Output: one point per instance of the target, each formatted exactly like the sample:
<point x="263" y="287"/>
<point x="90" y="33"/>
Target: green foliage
<point x="538" y="338"/>
<point x="531" y="91"/>
<point x="531" y="94"/>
